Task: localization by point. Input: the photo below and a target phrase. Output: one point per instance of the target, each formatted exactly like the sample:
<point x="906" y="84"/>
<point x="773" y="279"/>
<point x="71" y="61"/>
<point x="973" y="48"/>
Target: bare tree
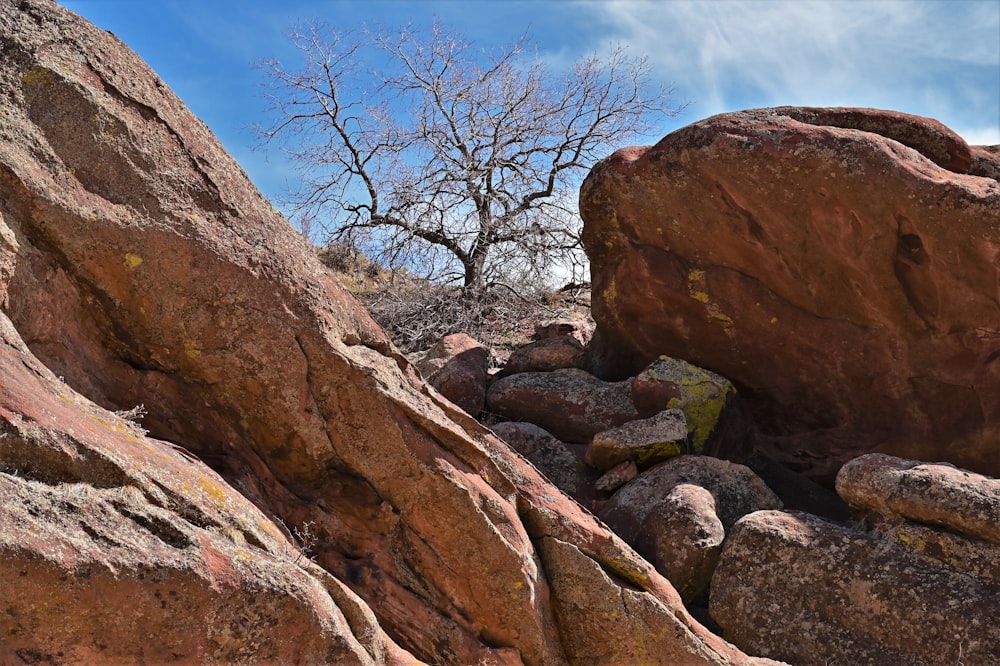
<point x="449" y="158"/>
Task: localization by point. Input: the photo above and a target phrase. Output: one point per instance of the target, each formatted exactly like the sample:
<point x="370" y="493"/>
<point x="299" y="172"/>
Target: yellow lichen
<point x="192" y="348"/>
<point x="703" y="396"/>
<point x="132" y="260"/>
<point x="696" y="291"/>
<point x="33" y="76"/>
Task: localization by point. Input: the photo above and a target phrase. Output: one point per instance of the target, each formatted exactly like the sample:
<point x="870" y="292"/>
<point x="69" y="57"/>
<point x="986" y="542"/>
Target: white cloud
<point x="939" y="59"/>
<point x="989" y="136"/>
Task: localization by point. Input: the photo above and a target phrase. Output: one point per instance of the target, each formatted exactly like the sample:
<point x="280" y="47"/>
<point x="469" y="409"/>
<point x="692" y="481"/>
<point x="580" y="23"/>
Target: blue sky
<point x="933" y="58"/>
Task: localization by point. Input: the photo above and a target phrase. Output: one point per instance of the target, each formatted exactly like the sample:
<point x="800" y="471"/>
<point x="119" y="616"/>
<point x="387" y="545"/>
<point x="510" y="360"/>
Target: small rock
<point x="553" y="353"/>
<point x="558" y="328"/>
<point x="617" y="476"/>
<point x="644" y="441"/>
<point x="457" y="367"/>
<point x="709" y="402"/>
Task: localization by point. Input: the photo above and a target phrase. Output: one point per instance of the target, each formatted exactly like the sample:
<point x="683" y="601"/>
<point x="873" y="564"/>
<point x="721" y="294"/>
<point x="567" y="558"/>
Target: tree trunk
<point x="474" y="274"/>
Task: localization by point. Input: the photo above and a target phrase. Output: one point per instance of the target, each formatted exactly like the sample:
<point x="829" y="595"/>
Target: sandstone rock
<point x="457" y="367"/>
<point x="811" y="256"/>
<point x="553" y="458"/>
<point x="807" y="591"/>
<point x="709" y="402"/>
<point x="617" y="476"/>
<point x="937" y="494"/>
<point x="967" y="555"/>
<point x="642" y="622"/>
<point x="571" y="404"/>
<point x="684" y="539"/>
<point x="547" y="354"/>
<point x="736" y="489"/>
<point x="935" y="510"/>
<point x="580" y="330"/>
<point x="149" y="270"/>
<point x="675" y="531"/>
<point x="985" y="161"/>
<point x="643" y="441"/>
<point x="110" y="538"/>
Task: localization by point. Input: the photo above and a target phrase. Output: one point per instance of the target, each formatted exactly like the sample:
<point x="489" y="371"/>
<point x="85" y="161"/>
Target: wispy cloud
<point x="938" y="59"/>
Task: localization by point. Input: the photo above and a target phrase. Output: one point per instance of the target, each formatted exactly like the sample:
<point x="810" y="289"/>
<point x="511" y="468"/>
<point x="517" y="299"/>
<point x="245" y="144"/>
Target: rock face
<point x="109" y="537"/>
<point x="919" y="585"/>
<point x="838" y="265"/>
<point x="140" y="265"/>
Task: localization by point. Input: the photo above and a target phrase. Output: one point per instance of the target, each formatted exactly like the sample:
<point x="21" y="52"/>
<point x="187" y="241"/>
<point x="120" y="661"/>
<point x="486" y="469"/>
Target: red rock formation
<point x="838" y="265"/>
<point x="457" y="366"/>
<point x="149" y="270"/>
<point x="109" y="538"/>
<point x="570" y="403"/>
<point x="798" y="588"/>
<point x="918" y="586"/>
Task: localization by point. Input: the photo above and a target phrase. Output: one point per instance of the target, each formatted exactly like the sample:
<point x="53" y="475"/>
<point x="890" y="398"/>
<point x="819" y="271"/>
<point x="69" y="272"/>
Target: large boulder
<point x="827" y="592"/>
<point x="676" y="515"/>
<point x="810" y="592"/>
<point x="930" y="493"/>
<point x="144" y="268"/>
<point x="838" y="265"/>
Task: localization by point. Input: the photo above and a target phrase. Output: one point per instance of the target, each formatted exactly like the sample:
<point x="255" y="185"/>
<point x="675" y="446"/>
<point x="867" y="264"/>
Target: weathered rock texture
<point x="544" y="355"/>
<point x="144" y="268"/>
<point x="118" y="548"/>
<point x="643" y="441"/>
<point x="680" y="531"/>
<point x="556" y="460"/>
<point x="570" y="403"/>
<point x="935" y="494"/>
<point x="798" y="588"/>
<point x="457" y="366"/>
<point x="838" y="265"/>
<point x="918" y="585"/>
